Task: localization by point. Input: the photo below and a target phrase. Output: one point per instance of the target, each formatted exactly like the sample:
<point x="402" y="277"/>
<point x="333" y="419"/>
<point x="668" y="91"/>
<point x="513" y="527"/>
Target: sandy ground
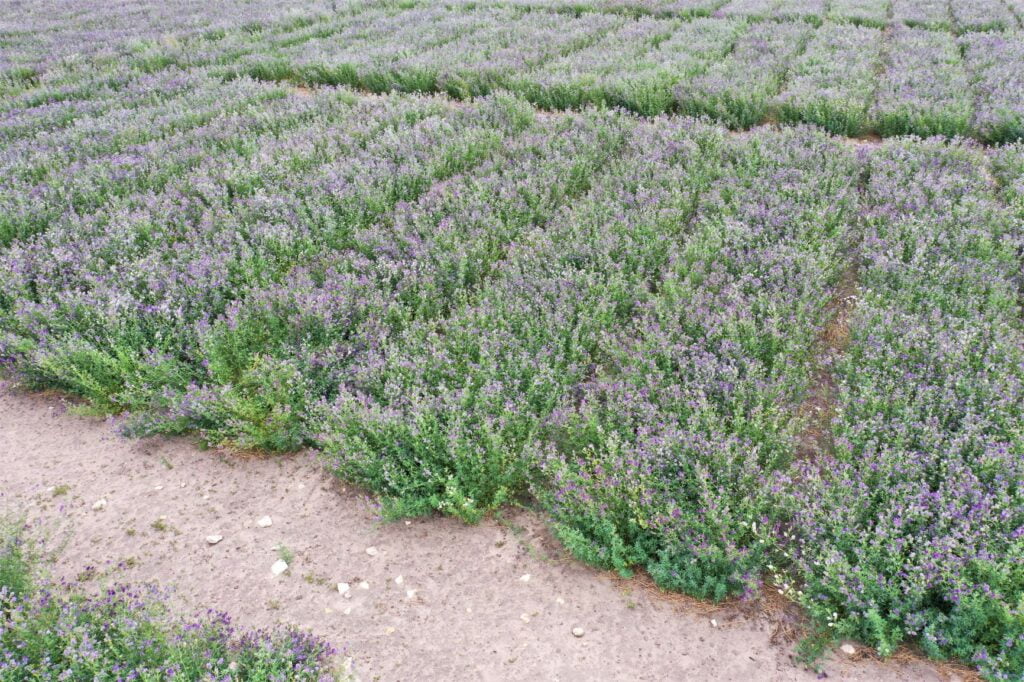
<point x="463" y="609"/>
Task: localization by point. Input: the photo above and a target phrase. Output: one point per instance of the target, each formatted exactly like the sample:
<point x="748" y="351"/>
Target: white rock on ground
<point x="265" y="522"/>
<point x="577" y="632"/>
<point x="372" y="551"/>
<point x="99" y="505"/>
<point x="364" y="585"/>
<point x="343" y="588"/>
<point x="525" y="578"/>
<point x="848" y="649"/>
<point x="214" y="539"/>
<point x="279" y="567"/>
<point x="399" y="580"/>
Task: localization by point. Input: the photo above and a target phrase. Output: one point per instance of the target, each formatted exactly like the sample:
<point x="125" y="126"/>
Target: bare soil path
<point x="463" y="609"/>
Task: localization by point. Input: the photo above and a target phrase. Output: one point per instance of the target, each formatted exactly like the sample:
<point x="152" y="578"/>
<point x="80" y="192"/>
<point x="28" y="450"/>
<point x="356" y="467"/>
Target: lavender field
<point x="606" y="258"/>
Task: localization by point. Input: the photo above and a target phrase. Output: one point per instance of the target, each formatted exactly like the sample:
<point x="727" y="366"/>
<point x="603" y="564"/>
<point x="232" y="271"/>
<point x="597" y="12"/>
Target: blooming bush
<point x="60" y="632"/>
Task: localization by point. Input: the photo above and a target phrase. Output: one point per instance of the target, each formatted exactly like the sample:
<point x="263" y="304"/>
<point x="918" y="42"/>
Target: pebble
<point x="99" y="505"/>
<point x="714" y="623"/>
<point x="848" y="649"/>
<point x="372" y="551"/>
<point x="399" y="580"/>
<point x="364" y="585"/>
<point x="343" y="588"/>
<point x="279" y="567"/>
<point x="525" y="618"/>
<point x="559" y="600"/>
<point x="214" y="539"/>
<point x="158" y="487"/>
<point x="265" y="522"/>
<point x="525" y="578"/>
<point x="577" y="632"/>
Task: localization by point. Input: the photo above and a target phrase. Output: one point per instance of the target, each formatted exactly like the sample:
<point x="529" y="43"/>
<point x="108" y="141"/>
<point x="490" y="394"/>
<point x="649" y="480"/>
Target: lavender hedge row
<point x="915" y="528"/>
<point x="833" y="83"/>
<point x="873" y="13"/>
<point x="925" y="89"/>
<point x="247" y="220"/>
<point x="925" y="14"/>
<point x="983" y="15"/>
<point x="996" y="68"/>
<point x="738" y="90"/>
<point x="664" y="456"/>
<point x="702" y="66"/>
<point x="621" y="70"/>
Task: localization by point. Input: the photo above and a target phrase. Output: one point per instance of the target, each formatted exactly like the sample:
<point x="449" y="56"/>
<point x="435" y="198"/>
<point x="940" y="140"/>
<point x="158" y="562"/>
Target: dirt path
<point x="464" y="609"/>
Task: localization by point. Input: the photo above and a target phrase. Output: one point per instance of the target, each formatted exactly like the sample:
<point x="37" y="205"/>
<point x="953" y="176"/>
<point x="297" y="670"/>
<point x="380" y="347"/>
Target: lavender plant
<point x="62" y="631"/>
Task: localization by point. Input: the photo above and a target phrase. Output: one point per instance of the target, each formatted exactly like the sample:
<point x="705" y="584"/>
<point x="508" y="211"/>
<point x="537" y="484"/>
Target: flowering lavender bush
<point x="59" y="632"/>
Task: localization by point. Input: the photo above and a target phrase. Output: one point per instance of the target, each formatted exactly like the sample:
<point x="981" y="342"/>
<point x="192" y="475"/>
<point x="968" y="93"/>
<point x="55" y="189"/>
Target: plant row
<point x="914" y="527"/>
<point x="850" y="79"/>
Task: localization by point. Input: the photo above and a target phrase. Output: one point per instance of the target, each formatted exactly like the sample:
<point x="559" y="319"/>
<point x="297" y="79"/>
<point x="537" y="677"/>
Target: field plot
<point x="513" y="253"/>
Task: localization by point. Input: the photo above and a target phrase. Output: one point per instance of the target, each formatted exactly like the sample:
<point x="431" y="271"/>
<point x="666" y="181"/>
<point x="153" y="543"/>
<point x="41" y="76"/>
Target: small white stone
<point x="279" y="567"/>
<point x="410" y="594"/>
<point x="302" y="486"/>
<point x="408" y="523"/>
<point x="577" y="632"/>
<point x="714" y="623"/>
<point x="469" y="609"/>
<point x="389" y="630"/>
<point x="372" y="551"/>
<point x="99" y="505"/>
<point x="559" y="600"/>
<point x="206" y="497"/>
<point x="399" y="580"/>
<point x="214" y="539"/>
<point x="158" y="487"/>
<point x="525" y="618"/>
<point x="848" y="649"/>
<point x="343" y="588"/>
<point x="364" y="585"/>
<point x="265" y="522"/>
<point x="525" y="578"/>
